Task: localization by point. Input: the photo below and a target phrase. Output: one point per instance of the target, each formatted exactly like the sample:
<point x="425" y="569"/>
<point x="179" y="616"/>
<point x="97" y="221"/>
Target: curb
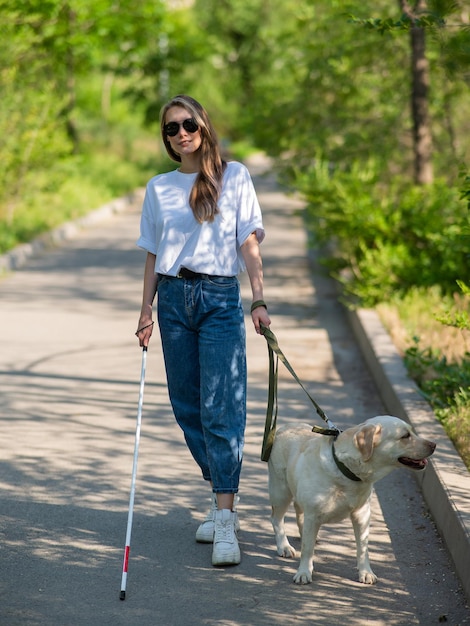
<point x="446" y="482"/>
<point x="18" y="256"/>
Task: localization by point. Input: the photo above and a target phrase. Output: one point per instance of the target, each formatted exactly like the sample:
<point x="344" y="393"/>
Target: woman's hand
<point x="259" y="315"/>
<point x="144" y="331"/>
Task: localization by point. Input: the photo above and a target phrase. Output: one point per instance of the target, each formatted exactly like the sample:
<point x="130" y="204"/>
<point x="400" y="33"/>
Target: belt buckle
<point x="187" y="273"/>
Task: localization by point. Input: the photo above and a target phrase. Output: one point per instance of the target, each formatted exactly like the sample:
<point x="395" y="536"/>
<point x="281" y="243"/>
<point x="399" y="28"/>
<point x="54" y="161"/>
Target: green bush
<point x="386" y="243"/>
<point x="384" y="239"/>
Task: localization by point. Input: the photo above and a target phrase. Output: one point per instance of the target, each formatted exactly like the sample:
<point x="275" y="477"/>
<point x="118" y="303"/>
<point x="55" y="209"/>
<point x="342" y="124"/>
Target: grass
<point x="437" y="356"/>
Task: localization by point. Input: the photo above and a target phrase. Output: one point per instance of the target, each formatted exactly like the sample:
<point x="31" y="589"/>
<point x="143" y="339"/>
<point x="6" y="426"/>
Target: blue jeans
<point x="204" y="346"/>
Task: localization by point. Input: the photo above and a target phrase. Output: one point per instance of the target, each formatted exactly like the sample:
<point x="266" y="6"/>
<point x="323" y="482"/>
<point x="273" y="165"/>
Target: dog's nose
<point x="432" y="445"/>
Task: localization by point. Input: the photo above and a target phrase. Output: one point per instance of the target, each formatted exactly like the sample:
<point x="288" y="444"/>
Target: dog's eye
<point x="407" y="436"/>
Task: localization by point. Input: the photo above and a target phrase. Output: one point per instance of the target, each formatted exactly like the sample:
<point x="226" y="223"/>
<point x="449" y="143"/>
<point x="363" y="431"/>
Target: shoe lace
<point x="224" y="531"/>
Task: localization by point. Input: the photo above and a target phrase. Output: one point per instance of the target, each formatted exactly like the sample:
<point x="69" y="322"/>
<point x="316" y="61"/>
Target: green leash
<point x="271" y="411"/>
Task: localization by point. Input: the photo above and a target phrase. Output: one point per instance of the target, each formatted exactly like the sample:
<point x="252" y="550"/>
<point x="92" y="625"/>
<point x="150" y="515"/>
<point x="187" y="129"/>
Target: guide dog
<point x="329" y="478"/>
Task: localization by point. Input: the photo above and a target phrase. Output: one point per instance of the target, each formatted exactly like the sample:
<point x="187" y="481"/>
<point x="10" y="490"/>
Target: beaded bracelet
<point x="256" y="304"/>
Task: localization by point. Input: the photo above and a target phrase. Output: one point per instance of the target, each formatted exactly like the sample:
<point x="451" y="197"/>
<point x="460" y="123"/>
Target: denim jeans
<point x="204" y="346"/>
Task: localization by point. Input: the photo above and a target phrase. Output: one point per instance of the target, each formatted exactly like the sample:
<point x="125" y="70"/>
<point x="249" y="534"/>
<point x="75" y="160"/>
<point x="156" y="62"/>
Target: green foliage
<point x="29" y="124"/>
<point x="174" y="62"/>
<point x="465" y="186"/>
<point x="331" y="101"/>
<point x="457" y="319"/>
<point x="249" y="62"/>
<point x="423" y="20"/>
<point x="294" y="79"/>
<point x="446" y="386"/>
<point x="447" y="37"/>
<point x="442" y="383"/>
<point x="60" y="73"/>
<point x="386" y="239"/>
<point x="439" y="361"/>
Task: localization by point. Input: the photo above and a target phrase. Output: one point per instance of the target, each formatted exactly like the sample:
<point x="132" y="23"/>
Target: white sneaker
<point x="205" y="531"/>
<point x="225" y="550"/>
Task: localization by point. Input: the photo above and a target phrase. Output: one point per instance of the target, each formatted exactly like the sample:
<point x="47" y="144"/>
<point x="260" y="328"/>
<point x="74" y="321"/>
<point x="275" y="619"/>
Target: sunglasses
<point x="173" y="128"/>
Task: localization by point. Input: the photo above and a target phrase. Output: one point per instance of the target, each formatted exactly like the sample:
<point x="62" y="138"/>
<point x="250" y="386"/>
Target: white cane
<point x="127" y="548"/>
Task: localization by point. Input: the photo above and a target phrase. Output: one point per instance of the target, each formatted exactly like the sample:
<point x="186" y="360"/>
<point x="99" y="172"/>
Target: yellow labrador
<point x="329" y="479"/>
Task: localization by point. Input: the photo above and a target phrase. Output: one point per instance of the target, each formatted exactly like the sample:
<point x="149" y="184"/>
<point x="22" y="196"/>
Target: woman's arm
<point x="254" y="266"/>
<point x="148" y="296"/>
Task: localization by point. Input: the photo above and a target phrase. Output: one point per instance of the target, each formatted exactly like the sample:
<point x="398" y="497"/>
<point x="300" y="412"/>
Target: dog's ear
<point x="366" y="439"/>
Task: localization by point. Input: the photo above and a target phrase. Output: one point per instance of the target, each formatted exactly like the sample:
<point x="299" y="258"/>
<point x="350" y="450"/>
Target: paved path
<point x="69" y="374"/>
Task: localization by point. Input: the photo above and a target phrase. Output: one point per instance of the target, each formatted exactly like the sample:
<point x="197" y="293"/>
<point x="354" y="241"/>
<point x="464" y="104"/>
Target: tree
<point x="49" y="49"/>
<point x="301" y="77"/>
<point x="422" y="138"/>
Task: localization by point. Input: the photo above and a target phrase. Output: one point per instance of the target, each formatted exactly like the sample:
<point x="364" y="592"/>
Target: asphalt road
<point x="69" y="381"/>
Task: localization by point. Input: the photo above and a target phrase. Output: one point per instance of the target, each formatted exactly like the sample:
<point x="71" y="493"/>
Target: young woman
<point x="201" y="226"/>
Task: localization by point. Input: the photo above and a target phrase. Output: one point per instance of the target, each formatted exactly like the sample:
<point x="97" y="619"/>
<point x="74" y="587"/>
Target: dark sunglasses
<point x="173" y="128"/>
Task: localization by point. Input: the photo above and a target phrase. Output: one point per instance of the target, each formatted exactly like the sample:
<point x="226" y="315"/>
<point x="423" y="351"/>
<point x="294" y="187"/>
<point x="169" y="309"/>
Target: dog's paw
<point x="286" y="550"/>
<point x="303" y="577"/>
<point x="367" y="577"/>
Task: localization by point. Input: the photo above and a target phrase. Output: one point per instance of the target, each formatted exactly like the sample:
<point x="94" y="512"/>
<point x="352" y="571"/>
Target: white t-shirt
<point x="169" y="229"/>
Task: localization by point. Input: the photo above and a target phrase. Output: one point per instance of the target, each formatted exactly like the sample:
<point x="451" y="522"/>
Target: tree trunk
<point x="70" y="126"/>
<point x="422" y="137"/>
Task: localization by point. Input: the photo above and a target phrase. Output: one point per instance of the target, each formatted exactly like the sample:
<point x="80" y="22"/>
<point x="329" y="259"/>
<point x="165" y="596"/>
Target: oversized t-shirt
<point x="169" y="229"/>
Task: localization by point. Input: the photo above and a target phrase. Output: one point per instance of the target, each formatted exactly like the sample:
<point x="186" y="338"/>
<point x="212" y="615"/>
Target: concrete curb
<point x="446" y="482"/>
<point x="16" y="258"/>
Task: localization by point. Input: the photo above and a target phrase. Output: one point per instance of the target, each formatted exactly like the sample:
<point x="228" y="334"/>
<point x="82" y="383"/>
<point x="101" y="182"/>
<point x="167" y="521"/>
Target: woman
<point x="201" y="226"/>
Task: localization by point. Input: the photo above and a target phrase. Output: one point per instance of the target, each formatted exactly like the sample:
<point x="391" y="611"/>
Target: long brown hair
<point x="208" y="184"/>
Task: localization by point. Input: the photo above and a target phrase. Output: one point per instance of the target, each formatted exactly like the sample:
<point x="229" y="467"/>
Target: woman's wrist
<point x="257" y="303"/>
<point x="146" y="311"/>
<point x="141" y="328"/>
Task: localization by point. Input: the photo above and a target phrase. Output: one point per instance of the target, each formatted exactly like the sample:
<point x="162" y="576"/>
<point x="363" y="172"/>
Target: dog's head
<point x="380" y="444"/>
